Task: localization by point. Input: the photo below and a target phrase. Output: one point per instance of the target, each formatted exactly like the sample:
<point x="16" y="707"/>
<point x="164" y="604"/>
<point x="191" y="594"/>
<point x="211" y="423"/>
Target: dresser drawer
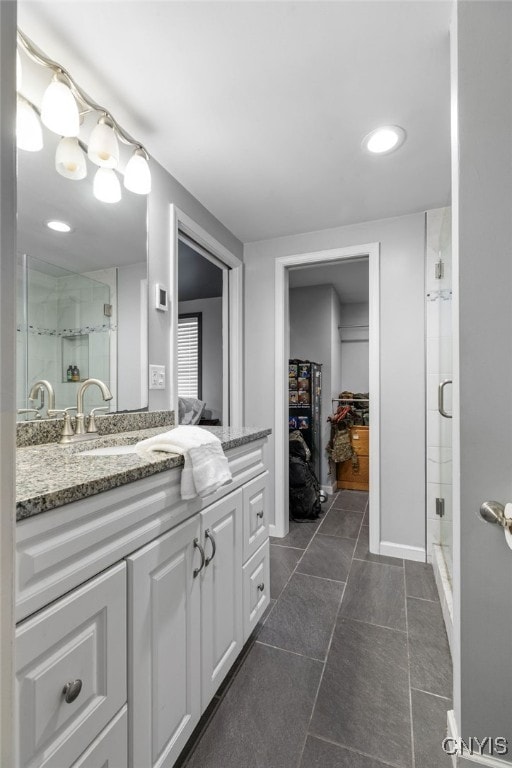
<point x="110" y="749"/>
<point x="256" y="584"/>
<point x="79" y="639"/>
<point x="255" y="510"/>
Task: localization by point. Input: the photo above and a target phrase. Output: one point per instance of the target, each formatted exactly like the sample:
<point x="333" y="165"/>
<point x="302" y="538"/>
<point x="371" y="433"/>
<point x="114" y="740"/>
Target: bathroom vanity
<point x="132" y="604"/>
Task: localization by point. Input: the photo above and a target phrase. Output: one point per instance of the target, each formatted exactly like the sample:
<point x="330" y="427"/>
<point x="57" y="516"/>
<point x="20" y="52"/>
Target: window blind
<point x="189" y="355"/>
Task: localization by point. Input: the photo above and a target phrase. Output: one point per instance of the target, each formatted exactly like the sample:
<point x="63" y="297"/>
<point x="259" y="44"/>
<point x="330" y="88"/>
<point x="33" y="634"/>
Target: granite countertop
<point x="50" y="475"/>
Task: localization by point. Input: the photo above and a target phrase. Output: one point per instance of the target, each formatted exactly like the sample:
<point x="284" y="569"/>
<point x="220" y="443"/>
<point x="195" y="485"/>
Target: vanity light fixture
<point x="63" y="105"/>
<point x="58" y="226"/>
<point x="59" y="110"/>
<point x="69" y="159"/>
<point x="103" y="147"/>
<point x="137" y="176"/>
<point x="29" y="135"/>
<point x="384" y="140"/>
<point x="106" y="186"/>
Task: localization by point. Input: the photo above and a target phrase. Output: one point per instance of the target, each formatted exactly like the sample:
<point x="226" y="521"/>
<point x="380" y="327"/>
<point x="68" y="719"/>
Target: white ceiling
<point x="259" y="108"/>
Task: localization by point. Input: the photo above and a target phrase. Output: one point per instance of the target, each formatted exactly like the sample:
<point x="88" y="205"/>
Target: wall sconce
<point x="63" y="104"/>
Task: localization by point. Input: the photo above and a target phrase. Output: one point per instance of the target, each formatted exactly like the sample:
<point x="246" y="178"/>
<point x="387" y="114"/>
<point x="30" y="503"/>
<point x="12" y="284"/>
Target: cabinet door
<point x="255" y="514"/>
<point x="71" y="671"/>
<point x="110" y="749"/>
<point x="164" y="646"/>
<point x="221" y="591"/>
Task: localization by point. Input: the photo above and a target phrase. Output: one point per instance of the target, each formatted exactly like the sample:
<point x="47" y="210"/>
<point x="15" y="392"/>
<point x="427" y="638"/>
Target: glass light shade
<point x="29" y="134"/>
<point x="59" y="110"/>
<point x="70" y="160"/>
<point x="137" y="176"/>
<point x="106" y="186"/>
<point x="103" y="148"/>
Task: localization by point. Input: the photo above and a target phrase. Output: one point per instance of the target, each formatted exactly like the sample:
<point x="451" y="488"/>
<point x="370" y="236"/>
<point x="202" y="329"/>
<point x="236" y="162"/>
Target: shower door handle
<point x="440" y="399"/>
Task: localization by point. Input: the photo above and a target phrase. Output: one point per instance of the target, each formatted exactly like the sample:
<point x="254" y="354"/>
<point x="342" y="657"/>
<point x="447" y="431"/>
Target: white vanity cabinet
<point x="221" y="591"/>
<point x="71" y="671"/>
<point x="164" y="646"/>
<point x="147" y="600"/>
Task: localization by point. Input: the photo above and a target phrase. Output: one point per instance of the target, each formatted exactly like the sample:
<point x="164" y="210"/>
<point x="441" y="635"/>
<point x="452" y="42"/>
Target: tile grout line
<point x="429" y="693"/>
<point x="409" y="671"/>
<point x="328" y="650"/>
<point x="332" y="633"/>
<point x="381" y="761"/>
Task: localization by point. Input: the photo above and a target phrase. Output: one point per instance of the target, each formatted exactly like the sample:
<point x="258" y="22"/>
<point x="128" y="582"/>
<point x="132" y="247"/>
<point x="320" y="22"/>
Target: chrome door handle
<point x="208" y="535"/>
<point x="494" y="512"/>
<point x="440" y="398"/>
<point x="197" y="545"/>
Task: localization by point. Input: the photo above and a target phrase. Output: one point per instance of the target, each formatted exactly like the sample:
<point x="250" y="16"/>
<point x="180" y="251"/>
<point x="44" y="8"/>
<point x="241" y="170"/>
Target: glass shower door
<point x="438" y="283"/>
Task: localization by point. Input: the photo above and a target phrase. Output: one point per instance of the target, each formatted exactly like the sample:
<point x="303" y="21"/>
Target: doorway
<point x="203" y="335"/>
<point x="284" y="265"/>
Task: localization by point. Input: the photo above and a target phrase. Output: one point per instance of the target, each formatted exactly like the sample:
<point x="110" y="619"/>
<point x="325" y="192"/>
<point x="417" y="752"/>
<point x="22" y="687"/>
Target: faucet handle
<point x="91" y="425"/>
<point x="67" y="428"/>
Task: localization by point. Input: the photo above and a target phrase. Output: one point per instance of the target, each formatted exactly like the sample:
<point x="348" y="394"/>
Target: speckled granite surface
<point x="50" y="475"/>
<point x="49" y="430"/>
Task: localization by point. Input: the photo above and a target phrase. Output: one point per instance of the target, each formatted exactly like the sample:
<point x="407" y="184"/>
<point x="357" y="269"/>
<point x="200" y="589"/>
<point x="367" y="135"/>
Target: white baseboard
<point x="403" y="551"/>
<point x="471" y="761"/>
<point x="329" y="489"/>
<point x="444" y="587"/>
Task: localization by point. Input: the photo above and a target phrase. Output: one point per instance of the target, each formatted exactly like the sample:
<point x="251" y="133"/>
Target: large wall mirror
<point x="82" y="299"/>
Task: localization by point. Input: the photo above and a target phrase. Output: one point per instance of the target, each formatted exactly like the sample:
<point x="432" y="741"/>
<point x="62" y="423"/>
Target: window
<point x="189" y="355"/>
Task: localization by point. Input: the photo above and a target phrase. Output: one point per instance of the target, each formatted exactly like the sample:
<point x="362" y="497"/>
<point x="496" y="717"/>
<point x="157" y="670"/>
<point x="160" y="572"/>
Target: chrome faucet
<point x="38" y="390"/>
<point x="106" y="394"/>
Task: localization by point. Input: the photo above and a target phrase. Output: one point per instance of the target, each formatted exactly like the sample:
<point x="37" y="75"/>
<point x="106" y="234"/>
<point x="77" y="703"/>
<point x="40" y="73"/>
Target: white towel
<point x="206" y="468"/>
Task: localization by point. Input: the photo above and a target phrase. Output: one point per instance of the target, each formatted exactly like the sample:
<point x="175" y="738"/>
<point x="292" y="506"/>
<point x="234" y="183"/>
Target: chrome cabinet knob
<point x="71" y="690"/>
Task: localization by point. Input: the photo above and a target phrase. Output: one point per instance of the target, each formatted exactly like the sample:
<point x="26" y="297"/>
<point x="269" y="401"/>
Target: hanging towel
<point x="206" y="467"/>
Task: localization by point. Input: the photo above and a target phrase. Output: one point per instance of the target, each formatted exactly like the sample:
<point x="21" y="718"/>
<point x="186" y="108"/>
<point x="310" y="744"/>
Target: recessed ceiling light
<point x="58" y="226"/>
<point x="383" y="140"/>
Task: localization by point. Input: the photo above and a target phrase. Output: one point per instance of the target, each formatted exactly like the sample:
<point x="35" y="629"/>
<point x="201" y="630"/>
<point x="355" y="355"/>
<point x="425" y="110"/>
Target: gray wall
<point x="7" y="371"/>
<point x="402" y="357"/>
<point x="166" y="190"/>
<point x="482" y="205"/>
<point x="131" y="326"/>
<point x="311" y="313"/>
<point x="212" y="350"/>
<point x="354" y="352"/>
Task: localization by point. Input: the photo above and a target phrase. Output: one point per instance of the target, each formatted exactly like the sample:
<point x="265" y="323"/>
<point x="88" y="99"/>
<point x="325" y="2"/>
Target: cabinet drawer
<point x="81" y="637"/>
<point x="110" y="749"/>
<point x="256" y="581"/>
<point x="255" y="528"/>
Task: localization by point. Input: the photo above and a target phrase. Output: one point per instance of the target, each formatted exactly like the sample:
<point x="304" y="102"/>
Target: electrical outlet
<point x="157" y="376"/>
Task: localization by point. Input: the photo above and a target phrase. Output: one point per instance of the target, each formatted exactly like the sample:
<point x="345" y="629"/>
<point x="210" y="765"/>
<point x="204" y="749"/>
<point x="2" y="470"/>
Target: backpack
<point x="304" y="494"/>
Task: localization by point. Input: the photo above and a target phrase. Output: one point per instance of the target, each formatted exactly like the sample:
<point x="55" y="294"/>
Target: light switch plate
<point x="157" y="376"/>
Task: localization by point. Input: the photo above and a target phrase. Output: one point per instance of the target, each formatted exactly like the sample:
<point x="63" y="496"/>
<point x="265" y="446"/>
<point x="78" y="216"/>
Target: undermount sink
<point x="111" y="450"/>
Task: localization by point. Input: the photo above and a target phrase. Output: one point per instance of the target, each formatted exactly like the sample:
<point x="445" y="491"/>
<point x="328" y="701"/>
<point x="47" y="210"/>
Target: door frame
<point x="282" y="353"/>
<point x="232" y="398"/>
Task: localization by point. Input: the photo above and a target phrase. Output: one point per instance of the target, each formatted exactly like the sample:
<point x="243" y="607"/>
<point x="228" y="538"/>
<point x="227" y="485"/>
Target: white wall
<point x="402" y="356"/>
<point x="482" y="263"/>
<point x="211" y="350"/>
<point x="355" y="373"/>
<point x="166" y="190"/>
<point x="311" y="313"/>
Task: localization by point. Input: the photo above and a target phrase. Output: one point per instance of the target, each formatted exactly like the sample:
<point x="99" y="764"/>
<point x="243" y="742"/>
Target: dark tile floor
<point x="349" y="668"/>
